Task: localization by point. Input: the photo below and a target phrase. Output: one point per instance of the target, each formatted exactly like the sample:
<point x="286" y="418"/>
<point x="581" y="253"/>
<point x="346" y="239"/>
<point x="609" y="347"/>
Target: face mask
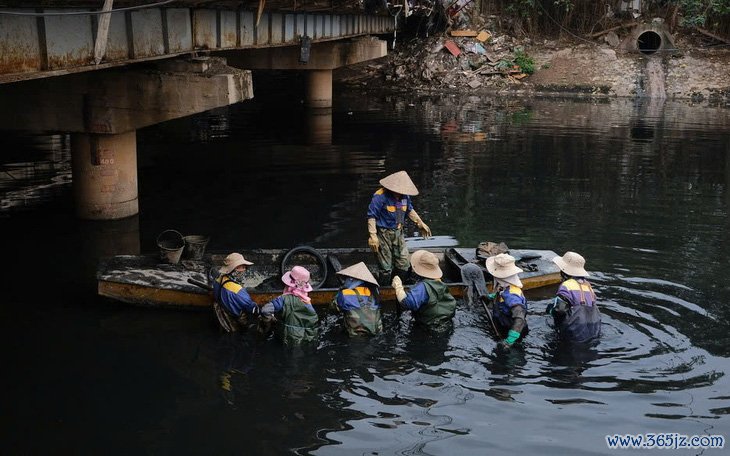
<point x="237" y="276"/>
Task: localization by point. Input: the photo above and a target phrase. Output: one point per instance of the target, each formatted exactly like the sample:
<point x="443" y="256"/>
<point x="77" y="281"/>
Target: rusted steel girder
<point x="348" y="6"/>
<point x="33" y="47"/>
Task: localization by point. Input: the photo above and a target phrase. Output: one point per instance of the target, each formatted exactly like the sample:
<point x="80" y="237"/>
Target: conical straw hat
<point x="359" y="271"/>
<point x="425" y="264"/>
<point x="572" y="264"/>
<point x="400" y="183"/>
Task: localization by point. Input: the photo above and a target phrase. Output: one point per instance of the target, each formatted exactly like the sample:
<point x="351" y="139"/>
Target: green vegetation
<point x="584" y="17"/>
<point x="524" y="61"/>
<point x="703" y="13"/>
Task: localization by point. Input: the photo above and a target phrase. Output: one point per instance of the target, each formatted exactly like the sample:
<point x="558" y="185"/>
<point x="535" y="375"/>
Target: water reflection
<point x="642" y="190"/>
<point x="33" y="169"/>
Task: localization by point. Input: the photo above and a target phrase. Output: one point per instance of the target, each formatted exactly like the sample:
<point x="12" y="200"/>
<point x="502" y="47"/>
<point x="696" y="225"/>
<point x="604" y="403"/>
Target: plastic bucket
<point x="171" y="244"/>
<point x="195" y="246"/>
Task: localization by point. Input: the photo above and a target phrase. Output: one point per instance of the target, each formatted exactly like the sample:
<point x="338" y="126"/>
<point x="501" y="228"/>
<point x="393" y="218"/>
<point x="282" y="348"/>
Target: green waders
<point x="363" y="321"/>
<point x="393" y="253"/>
<point x="441" y="306"/>
<point x="298" y="322"/>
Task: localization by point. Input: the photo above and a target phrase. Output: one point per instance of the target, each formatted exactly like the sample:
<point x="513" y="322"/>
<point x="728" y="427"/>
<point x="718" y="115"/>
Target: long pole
<point x="489" y="315"/>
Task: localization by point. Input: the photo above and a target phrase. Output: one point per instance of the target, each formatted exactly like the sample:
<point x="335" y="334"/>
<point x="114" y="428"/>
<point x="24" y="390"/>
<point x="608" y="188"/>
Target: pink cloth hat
<point x="298" y="277"/>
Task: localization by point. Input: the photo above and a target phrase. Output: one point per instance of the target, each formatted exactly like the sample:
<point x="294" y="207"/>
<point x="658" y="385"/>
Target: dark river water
<point x="641" y="190"/>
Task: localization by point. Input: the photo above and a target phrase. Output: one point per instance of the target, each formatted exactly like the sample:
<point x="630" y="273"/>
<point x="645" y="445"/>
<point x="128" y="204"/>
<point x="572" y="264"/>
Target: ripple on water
<point x="642" y="363"/>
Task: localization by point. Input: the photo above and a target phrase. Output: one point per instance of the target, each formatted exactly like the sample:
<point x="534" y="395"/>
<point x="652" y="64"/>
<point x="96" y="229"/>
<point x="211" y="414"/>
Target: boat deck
<point x="144" y="280"/>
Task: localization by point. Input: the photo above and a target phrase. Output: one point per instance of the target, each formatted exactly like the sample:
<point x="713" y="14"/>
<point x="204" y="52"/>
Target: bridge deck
<point x="40" y="46"/>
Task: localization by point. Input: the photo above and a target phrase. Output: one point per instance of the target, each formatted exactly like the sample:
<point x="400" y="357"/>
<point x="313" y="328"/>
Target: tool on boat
<point x="202" y="285"/>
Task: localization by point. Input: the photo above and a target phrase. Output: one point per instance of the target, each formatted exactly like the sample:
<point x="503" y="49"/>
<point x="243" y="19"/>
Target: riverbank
<point x="576" y="68"/>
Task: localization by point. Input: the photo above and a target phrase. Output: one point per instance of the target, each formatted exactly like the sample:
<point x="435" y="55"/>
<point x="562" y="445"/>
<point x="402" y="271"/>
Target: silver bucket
<point x="195" y="246"/>
<point x="171" y="244"/>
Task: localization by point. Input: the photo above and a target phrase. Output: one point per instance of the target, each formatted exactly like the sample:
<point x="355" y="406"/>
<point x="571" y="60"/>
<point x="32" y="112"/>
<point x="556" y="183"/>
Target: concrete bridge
<point x="102" y="69"/>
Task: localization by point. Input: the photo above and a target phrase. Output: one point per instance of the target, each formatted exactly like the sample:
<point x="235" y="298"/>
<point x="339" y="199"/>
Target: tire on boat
<point x="309" y="258"/>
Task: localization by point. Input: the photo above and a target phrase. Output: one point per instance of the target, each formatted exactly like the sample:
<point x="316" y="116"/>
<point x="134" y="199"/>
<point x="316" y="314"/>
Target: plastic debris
<point x="452" y="47"/>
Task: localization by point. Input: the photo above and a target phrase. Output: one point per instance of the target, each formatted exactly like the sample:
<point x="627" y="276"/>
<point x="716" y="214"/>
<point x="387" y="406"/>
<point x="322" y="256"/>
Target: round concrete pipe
<point x="319" y="89"/>
<point x="649" y="42"/>
<point x="105" y="175"/>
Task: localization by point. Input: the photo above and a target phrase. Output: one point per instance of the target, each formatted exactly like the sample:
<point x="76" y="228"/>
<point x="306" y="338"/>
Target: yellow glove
<point x="373" y="241"/>
<point x="422" y="227"/>
<point x="425" y="230"/>
<point x="400" y="293"/>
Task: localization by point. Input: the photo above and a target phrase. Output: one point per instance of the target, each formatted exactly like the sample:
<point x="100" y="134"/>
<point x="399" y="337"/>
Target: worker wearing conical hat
<point x="388" y="209"/>
<point x="574" y="310"/>
<point x="357" y="300"/>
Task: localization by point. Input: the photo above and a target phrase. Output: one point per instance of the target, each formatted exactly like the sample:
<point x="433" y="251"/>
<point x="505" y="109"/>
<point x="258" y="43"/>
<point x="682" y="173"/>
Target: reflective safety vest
<point x="232" y="296"/>
<point x="582" y="321"/>
<point x="387" y="211"/>
<point x="577" y="292"/>
<point x="441" y="306"/>
<point x="298" y="322"/>
<point x="361" y="312"/>
<point x="504" y="301"/>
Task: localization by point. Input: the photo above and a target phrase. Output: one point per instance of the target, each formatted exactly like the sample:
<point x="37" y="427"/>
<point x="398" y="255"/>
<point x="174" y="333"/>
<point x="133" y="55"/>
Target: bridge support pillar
<point x="105" y="175"/>
<point x="319" y="89"/>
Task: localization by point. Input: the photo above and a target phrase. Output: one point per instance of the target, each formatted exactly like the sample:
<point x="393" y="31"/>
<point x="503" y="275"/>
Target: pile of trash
<point x="463" y="57"/>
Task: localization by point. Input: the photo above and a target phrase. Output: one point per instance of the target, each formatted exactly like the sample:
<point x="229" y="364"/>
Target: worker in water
<point x="357" y="300"/>
<point x="509" y="306"/>
<point x="296" y="318"/>
<point x="429" y="299"/>
<point x="574" y="310"/>
<point x="387" y="211"/>
<point x="232" y="303"/>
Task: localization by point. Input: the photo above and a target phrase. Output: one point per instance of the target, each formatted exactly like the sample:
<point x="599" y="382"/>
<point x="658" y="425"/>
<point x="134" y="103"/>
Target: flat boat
<point x="145" y="280"/>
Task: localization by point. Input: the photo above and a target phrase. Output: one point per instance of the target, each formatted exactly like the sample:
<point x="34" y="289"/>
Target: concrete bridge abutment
<point x="104" y="110"/>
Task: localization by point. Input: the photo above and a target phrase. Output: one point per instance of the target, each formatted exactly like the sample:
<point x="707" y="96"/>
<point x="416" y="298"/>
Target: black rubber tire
<point x="308" y="250"/>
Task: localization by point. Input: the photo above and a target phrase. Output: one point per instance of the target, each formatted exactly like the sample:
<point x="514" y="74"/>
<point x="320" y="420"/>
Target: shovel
<point x="473" y="277"/>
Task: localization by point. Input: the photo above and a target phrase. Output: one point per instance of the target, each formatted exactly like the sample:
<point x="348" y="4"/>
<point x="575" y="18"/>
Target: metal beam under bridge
<point x="53" y="45"/>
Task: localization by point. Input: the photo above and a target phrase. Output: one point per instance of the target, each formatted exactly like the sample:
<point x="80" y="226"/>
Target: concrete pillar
<point x="319" y="124"/>
<point x="105" y="175"/>
<point x="319" y="89"/>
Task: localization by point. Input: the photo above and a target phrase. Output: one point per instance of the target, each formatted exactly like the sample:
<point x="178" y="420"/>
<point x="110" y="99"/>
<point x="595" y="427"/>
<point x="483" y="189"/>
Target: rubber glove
<point x="425" y="230"/>
<point x="512" y="336"/>
<point x="373" y="241"/>
<point x="268" y="309"/>
<point x="400" y="293"/>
